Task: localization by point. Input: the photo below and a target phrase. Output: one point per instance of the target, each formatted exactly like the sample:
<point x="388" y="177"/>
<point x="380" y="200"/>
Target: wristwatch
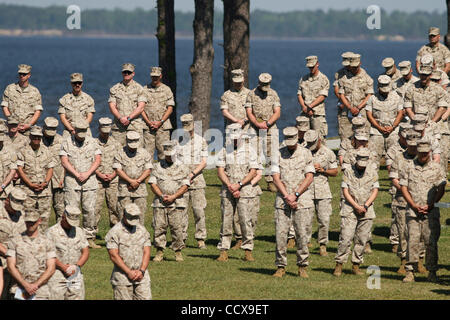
<point x="297" y="194"/>
<point x="240" y="184"/>
<point x="366" y="207"/>
<point x="128" y="118"/>
<point x="143" y="272"/>
<point x="3" y="186"/>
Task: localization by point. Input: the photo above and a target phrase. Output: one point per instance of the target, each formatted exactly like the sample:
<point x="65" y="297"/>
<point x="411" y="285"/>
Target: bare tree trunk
<point x="236" y="34"/>
<point x="447" y="36"/>
<point x="166" y="46"/>
<point x="201" y="68"/>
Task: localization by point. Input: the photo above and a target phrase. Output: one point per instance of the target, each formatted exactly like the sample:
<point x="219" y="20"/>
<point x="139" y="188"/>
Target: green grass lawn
<point x="201" y="277"/>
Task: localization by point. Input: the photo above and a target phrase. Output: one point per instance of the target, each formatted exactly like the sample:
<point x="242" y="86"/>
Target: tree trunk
<point x="166" y="48"/>
<point x="201" y="68"/>
<point x="236" y="34"/>
<point x="447" y="36"/>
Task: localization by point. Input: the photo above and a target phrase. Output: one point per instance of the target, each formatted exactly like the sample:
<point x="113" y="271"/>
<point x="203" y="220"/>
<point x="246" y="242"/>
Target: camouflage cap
<point x="31" y="215"/>
<point x="346" y="58"/>
<point x="427" y="60"/>
<point x="423" y="145"/>
<point x="405" y="67"/>
<point x="264" y="81"/>
<point x="237" y="75"/>
<point x="302" y="123"/>
<point x="187" y="121"/>
<point x="3" y="128"/>
<point x="132" y="213"/>
<point x="51" y="123"/>
<point x="412" y="137"/>
<point x="72" y="214"/>
<point x="76" y="77"/>
<point x="169" y="147"/>
<point x="362" y="157"/>
<point x="361" y="136"/>
<point x="80" y="124"/>
<point x="358" y="122"/>
<point x="13" y="121"/>
<point x="155" y="71"/>
<point x="23" y="68"/>
<point x="105" y="124"/>
<point x="355" y="60"/>
<point x="128" y="67"/>
<point x="133" y="139"/>
<point x="434" y="31"/>
<point x="403" y="128"/>
<point x="17" y="198"/>
<point x="388" y="62"/>
<point x="290" y="136"/>
<point x="36" y="131"/>
<point x="234" y="131"/>
<point x="425" y="70"/>
<point x="420" y="122"/>
<point x="311" y="61"/>
<point x="311" y="138"/>
<point x="384" y="83"/>
<point x="436" y="75"/>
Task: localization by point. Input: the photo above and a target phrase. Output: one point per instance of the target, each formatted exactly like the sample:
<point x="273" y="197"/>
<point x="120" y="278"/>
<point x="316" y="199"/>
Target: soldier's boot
<point x="309" y="244"/>
<point x="159" y="256"/>
<point x="323" y="250"/>
<point x="291" y="243"/>
<point x="367" y="248"/>
<point x="93" y="245"/>
<point x="201" y="244"/>
<point x="420" y="267"/>
<point x="409" y="277"/>
<point x="280" y="272"/>
<point x="402" y="269"/>
<point x="394" y="248"/>
<point x="223" y="256"/>
<point x="237" y="245"/>
<point x="337" y="270"/>
<point x="248" y="256"/>
<point x="355" y="270"/>
<point x="302" y="272"/>
<point x="272" y="187"/>
<point x="432" y="277"/>
<point x="178" y="256"/>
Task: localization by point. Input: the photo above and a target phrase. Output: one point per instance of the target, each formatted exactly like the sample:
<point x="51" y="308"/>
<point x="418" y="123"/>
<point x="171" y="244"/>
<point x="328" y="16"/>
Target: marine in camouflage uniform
<point x="8" y="167"/>
<point x="292" y="171"/>
<point x="346" y="145"/>
<point x="325" y="165"/>
<point x="440" y="52"/>
<point x="355" y="90"/>
<point x="80" y="157"/>
<point x="429" y="131"/>
<point x="423" y="184"/>
<point x="52" y="141"/>
<point x="263" y="109"/>
<point x="75" y="105"/>
<point x="194" y="154"/>
<point x="14" y="140"/>
<point x="128" y="244"/>
<point x="72" y="252"/>
<point x="133" y="165"/>
<point x="35" y="167"/>
<point x="22" y="100"/>
<point x="312" y="91"/>
<point x="344" y="124"/>
<point x="391" y="71"/>
<point x="31" y="260"/>
<point x="407" y="79"/>
<point x="126" y="103"/>
<point x="106" y="175"/>
<point x="169" y="182"/>
<point x="384" y="111"/>
<point x="159" y="106"/>
<point x="236" y="167"/>
<point x="360" y="188"/>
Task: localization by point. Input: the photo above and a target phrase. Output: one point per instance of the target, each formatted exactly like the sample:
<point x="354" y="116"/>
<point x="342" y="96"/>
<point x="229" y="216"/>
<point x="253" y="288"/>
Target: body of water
<point x="100" y="60"/>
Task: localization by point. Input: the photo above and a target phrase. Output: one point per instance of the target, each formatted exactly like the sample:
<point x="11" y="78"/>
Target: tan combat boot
<point x="394" y="248"/>
<point x="432" y="277"/>
<point x="291" y="243"/>
<point x="309" y="244"/>
<point x="93" y="245"/>
<point x="409" y="277"/>
<point x="367" y="248"/>
<point x="159" y="256"/>
<point x="248" y="256"/>
<point x="323" y="250"/>
<point x="302" y="272"/>
<point x="237" y="245"/>
<point x="178" y="256"/>
<point x="338" y="270"/>
<point x="223" y="256"/>
<point x="402" y="269"/>
<point x="280" y="272"/>
<point x="201" y="244"/>
<point x="420" y="267"/>
<point x="355" y="270"/>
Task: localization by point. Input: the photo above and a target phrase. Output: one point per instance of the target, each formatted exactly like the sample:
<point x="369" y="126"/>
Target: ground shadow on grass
<point x="346" y="270"/>
<point x="266" y="271"/>
<point x="447" y="222"/>
<point x="383" y="231"/>
<point x="386" y="247"/>
<point x="387" y="205"/>
<point x="212" y="242"/>
<point x="266" y="238"/>
<point x="211" y="256"/>
<point x="441" y="291"/>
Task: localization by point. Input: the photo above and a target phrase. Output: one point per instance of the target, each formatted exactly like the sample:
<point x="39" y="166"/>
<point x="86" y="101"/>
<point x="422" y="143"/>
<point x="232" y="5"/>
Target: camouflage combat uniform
<point x="440" y="53"/>
<point x="234" y="101"/>
<point x="75" y="107"/>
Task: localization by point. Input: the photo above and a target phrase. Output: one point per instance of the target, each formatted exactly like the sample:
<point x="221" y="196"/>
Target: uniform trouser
<point x="427" y="227"/>
<point x="58" y="202"/>
<point x="7" y="283"/>
<point x="299" y="218"/>
<point x="319" y="123"/>
<point x="110" y="192"/>
<point x="394" y="237"/>
<point x="381" y="144"/>
<point x="357" y="230"/>
<point x="87" y="198"/>
<point x="198" y="200"/>
<point x="155" y="139"/>
<point x="43" y="293"/>
<point x="445" y="147"/>
<point x="141" y="202"/>
<point x="254" y="204"/>
<point x="399" y="221"/>
<point x="63" y="289"/>
<point x="267" y="140"/>
<point x="43" y="206"/>
<point x="121" y="136"/>
<point x="344" y="127"/>
<point x="164" y="218"/>
<point x="323" y="211"/>
<point x="229" y="205"/>
<point x="138" y="291"/>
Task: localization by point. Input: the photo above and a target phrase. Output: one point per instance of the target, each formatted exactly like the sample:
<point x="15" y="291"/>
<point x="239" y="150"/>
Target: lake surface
<point x="100" y="60"/>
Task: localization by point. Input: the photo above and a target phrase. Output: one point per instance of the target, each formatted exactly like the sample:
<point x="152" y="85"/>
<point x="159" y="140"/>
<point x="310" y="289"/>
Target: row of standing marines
<point x="405" y="123"/>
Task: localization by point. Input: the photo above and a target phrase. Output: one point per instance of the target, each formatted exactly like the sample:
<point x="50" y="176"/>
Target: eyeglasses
<point x="77" y="83"/>
<point x="127" y="72"/>
<point x="23" y="74"/>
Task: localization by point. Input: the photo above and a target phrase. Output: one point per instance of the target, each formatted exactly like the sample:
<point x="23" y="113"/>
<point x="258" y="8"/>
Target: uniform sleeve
<point x="20" y="159"/>
<point x="117" y="162"/>
<point x="223" y="102"/>
<point x="51" y="162"/>
<point x="50" y="248"/>
<point x="404" y="174"/>
<point x="112" y="95"/>
<point x="375" y="183"/>
<point x="91" y="105"/>
<point x="5" y="98"/>
<point x="111" y="239"/>
<point x="64" y="149"/>
<point x="204" y="153"/>
<point x="300" y="90"/>
<point x="148" y="242"/>
<point x="408" y="98"/>
<point x="393" y="173"/>
<point x="276" y="100"/>
<point x="332" y="161"/>
<point x="220" y="162"/>
<point x="62" y="105"/>
<point x="345" y="180"/>
<point x="148" y="161"/>
<point x="249" y="100"/>
<point x="11" y="245"/>
<point x="341" y="86"/>
<point x="169" y="96"/>
<point x="441" y="178"/>
<point x="309" y="167"/>
<point x="441" y="96"/>
<point x="152" y="179"/>
<point x="37" y="103"/>
<point x="369" y="104"/>
<point x="142" y="97"/>
<point x="369" y="82"/>
<point x="325" y="88"/>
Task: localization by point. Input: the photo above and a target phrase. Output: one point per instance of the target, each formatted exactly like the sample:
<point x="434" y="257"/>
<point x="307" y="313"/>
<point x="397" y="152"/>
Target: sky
<point x="270" y="5"/>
